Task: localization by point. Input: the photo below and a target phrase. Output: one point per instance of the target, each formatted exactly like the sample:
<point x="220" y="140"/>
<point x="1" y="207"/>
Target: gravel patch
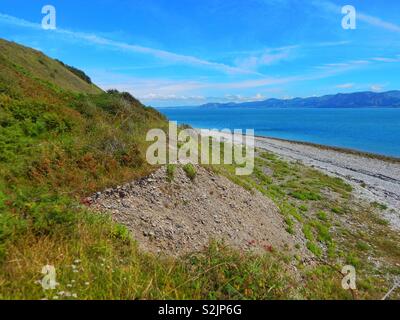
<point x="182" y="216"/>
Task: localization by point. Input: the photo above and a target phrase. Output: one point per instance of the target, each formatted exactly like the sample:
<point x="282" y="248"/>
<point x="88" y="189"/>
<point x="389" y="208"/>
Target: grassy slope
<point x="36" y="64"/>
<point x="60" y="139"/>
<point x="337" y="228"/>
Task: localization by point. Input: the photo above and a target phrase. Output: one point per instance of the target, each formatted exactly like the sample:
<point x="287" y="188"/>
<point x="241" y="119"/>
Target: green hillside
<point x="62" y="139"/>
<point x="16" y="60"/>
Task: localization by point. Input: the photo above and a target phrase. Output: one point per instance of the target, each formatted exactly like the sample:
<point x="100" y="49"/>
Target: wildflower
<point x="268" y="248"/>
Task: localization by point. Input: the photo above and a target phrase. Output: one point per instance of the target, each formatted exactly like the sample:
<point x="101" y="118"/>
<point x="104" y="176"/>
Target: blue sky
<point x="189" y="52"/>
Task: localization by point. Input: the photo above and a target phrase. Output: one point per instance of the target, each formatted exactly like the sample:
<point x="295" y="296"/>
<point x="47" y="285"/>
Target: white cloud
<point x="160" y="54"/>
<point x="144" y="88"/>
<point x="171" y="97"/>
<point x="345" y="86"/>
<point x="349" y="65"/>
<point x="330" y="44"/>
<point x="375" y="21"/>
<point x="382" y="59"/>
<point x="265" y="57"/>
<point x="241" y="98"/>
<point x="377" y="87"/>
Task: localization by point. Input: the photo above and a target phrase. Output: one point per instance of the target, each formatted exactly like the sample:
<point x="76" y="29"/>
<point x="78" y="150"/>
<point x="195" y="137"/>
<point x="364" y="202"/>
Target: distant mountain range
<point x="341" y="100"/>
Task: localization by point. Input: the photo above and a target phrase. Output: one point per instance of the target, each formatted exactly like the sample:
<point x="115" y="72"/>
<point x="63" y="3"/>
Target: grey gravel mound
<point x="182" y="216"/>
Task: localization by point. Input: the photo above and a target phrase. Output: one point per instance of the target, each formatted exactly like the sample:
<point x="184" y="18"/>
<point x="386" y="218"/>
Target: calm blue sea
<point x="371" y="130"/>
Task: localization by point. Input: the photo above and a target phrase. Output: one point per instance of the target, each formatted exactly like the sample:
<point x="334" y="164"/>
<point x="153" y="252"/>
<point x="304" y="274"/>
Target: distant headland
<point x="389" y="99"/>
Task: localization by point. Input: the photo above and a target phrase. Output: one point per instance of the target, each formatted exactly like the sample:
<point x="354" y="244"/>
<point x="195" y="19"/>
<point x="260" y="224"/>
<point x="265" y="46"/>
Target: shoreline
<point x="374" y="178"/>
<point x="349" y="151"/>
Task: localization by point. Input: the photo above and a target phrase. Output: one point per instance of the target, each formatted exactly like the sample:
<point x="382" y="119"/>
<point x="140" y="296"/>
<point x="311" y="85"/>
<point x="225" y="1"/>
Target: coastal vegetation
<point x="63" y="139"/>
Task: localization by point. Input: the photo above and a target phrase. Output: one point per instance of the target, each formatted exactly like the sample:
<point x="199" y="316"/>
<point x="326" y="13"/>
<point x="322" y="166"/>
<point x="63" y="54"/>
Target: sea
<point x="372" y="130"/>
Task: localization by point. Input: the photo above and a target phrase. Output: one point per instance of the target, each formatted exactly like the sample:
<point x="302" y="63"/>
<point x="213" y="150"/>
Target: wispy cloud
<point x="375" y="21"/>
<point x="377" y="87"/>
<point x="349" y="65"/>
<point x="345" y="86"/>
<point x="160" y="54"/>
<point x="265" y="58"/>
<point x="330" y="43"/>
<point x="383" y="59"/>
<point x="148" y="88"/>
<point x="183" y="99"/>
<point x="187" y="92"/>
<point x="270" y="56"/>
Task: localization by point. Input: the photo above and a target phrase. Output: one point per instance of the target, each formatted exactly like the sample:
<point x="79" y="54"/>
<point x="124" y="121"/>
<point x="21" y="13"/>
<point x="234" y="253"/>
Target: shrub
<point x="303" y="208"/>
<point x="322" y="216"/>
<point x="337" y="210"/>
<point x="380" y="206"/>
<point x="323" y="233"/>
<point x="190" y="171"/>
<point x="305" y="195"/>
<point x="170" y="172"/>
<point x="314" y="248"/>
<point x="120" y="232"/>
<point x="77" y="72"/>
<point x="308" y="232"/>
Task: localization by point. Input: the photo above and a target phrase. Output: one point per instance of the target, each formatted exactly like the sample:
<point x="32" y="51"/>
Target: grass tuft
<point x="190" y="171"/>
